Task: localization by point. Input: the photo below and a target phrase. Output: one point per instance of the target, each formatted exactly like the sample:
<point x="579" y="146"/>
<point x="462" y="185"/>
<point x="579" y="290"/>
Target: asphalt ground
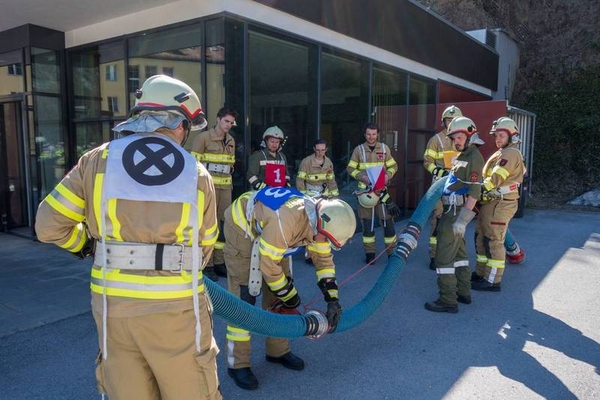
<point x="537" y="338"/>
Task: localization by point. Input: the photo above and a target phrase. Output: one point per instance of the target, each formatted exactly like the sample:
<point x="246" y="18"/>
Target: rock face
<point x="591" y="198"/>
<point x="555" y="37"/>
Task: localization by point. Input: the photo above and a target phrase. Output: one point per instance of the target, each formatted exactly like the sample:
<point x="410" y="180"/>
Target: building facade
<point x="316" y="69"/>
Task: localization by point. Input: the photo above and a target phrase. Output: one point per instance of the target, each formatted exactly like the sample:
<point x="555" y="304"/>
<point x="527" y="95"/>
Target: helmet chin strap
<point x="187" y="127"/>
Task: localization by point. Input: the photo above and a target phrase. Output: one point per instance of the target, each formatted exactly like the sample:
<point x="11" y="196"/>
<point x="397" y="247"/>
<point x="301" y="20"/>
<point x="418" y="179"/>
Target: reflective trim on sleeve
<point x="352" y="164"/>
<point x="76" y="240"/>
<point x="481" y="259"/>
<point x="502" y="172"/>
<point x="445" y="271"/>
<point x="66" y="203"/>
<point x="320" y="247"/>
<point x="268" y="250"/>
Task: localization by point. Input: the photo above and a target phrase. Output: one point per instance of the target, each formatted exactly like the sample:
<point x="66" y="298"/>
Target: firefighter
<point x="215" y="149"/>
<point x="145" y="209"/>
<point x="261" y="229"/>
<point x="376" y="157"/>
<point x="315" y="174"/>
<point x="459" y="198"/>
<point x="437" y="159"/>
<point x="503" y="174"/>
<point x="268" y="166"/>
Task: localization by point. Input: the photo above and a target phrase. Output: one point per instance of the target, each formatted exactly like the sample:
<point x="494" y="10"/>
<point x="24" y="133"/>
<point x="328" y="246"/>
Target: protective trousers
<point x="433" y="221"/>
<point x="451" y="259"/>
<point x="154" y="356"/>
<point x="492" y="224"/>
<point x="367" y="218"/>
<point x="223" y="201"/>
<point x="237" y="258"/>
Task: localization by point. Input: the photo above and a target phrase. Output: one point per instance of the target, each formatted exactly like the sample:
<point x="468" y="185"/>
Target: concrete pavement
<point x="538" y="338"/>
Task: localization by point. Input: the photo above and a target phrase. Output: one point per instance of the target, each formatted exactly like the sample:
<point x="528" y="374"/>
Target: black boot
<point x="209" y="272"/>
<point x="475" y="277"/>
<point x="369" y="258"/>
<point x="440" y="306"/>
<point x="244" y="378"/>
<point x="432" y="264"/>
<point x="485" y="286"/>
<point x="288" y="360"/>
<point x="221" y="270"/>
<point x="463" y="299"/>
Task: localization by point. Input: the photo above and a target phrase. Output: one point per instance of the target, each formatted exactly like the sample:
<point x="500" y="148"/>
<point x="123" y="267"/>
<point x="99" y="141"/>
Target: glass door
<point x="14" y="202"/>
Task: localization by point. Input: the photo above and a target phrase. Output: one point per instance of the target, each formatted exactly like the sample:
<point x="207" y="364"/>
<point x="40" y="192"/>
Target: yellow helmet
<point x="163" y="93"/>
<point x="509" y="126"/>
<point x="369" y="199"/>
<point x="451" y="112"/>
<point x="335" y="220"/>
<point x="466" y="126"/>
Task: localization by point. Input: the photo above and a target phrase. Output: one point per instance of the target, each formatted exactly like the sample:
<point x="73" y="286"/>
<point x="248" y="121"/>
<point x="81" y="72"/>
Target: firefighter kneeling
<point x="261" y="229"/>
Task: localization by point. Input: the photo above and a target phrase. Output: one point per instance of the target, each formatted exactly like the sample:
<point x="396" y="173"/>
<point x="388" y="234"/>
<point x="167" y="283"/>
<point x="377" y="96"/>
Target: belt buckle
<point x="181" y="255"/>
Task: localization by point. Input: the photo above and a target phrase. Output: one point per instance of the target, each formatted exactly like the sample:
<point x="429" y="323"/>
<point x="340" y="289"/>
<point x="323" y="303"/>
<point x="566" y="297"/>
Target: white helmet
<point x="466" y="126"/>
<point x="163" y="93"/>
<point x="509" y="126"/>
<point x="368" y="199"/>
<point x="451" y="112"/>
<point x="273" y="132"/>
<point x="335" y="220"/>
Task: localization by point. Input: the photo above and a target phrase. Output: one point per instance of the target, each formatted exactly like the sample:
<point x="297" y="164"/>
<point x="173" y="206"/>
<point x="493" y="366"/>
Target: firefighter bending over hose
<point x="261" y="229"/>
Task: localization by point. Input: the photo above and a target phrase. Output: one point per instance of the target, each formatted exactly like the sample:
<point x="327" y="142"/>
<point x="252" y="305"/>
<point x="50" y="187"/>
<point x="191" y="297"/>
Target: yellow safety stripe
<point x="301" y="174"/>
<point x="98" y="181"/>
<point x="352" y="164"/>
<point x="105" y="153"/>
<point x="219" y="245"/>
<point x="238" y="213"/>
<point x="503" y="172"/>
<point x="481" y="259"/>
<point x="354" y="173"/>
<point x="221" y="180"/>
<point x="431" y="167"/>
<point x="368" y="239"/>
<point x="320" y="247"/>
<point x="144" y="287"/>
<point x="279" y="283"/>
<point x="63" y="209"/>
<point x="268" y="250"/>
<point x="325" y="273"/>
<point x="215" y="158"/>
<point x="488" y="184"/>
<point x="495" y="263"/>
<point x="333" y="192"/>
<point x="116" y="225"/>
<point x="391" y="170"/>
<point x="183" y="223"/>
<point x="315" y="177"/>
<point x="365" y="165"/>
<point x="389" y="239"/>
<point x="237" y="334"/>
<point x="432" y="239"/>
<point x="76" y="240"/>
<point x="72" y="197"/>
<point x="434" y="154"/>
<point x="391" y="162"/>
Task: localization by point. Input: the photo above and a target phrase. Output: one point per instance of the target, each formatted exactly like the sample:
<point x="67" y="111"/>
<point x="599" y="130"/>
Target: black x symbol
<point x="138" y="172"/>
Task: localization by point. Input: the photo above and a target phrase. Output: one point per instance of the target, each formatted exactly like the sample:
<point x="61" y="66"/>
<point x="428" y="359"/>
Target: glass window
<point x="133" y="79"/>
<point x="89" y="135"/>
<point x="11" y="72"/>
<point x="176" y="52"/>
<point x="45" y="70"/>
<point x="389" y="111"/>
<point x="215" y="68"/>
<point x="98" y="74"/>
<point x="48" y="130"/>
<point x="344" y="110"/>
<point x="279" y="93"/>
<point x="150" y="70"/>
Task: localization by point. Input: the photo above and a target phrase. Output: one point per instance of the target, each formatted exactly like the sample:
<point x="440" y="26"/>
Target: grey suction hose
<point x="251" y="318"/>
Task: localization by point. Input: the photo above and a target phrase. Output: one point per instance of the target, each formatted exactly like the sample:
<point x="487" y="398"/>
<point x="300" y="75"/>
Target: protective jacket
<point x="70" y="216"/>
<point x="439" y="152"/>
<point x="217" y="154"/>
<point x="503" y="172"/>
<point x="316" y="177"/>
<point x="265" y="169"/>
<point x="364" y="157"/>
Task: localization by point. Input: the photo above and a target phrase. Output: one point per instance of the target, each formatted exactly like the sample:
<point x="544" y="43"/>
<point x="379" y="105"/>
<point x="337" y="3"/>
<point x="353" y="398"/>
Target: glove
<point x="288" y="295"/>
<point x="279" y="308"/>
<point x="464" y="217"/>
<point x="87" y="251"/>
<point x="334" y="313"/>
<point x="390" y="206"/>
<point x="439" y="172"/>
